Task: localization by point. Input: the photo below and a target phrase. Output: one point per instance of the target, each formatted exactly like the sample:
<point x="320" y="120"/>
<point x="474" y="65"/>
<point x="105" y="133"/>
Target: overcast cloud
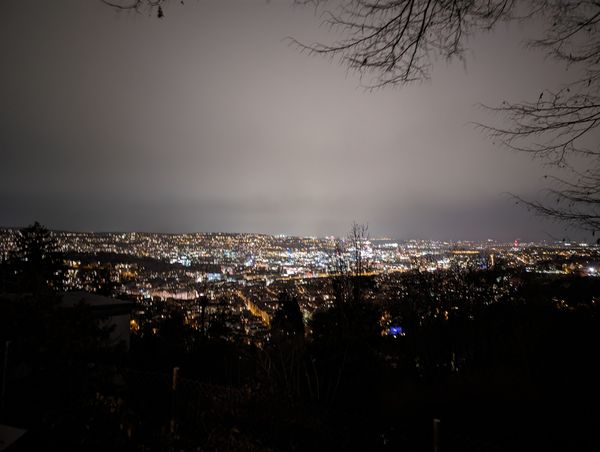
<point x="207" y="120"/>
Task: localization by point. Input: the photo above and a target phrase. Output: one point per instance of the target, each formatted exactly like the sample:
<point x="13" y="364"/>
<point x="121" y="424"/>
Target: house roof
<point x="95" y="301"/>
<point x="8" y="435"/>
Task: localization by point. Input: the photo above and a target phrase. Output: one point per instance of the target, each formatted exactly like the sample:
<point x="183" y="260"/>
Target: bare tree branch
<point x="138" y="5"/>
<point x="394" y="42"/>
<point x="561" y="128"/>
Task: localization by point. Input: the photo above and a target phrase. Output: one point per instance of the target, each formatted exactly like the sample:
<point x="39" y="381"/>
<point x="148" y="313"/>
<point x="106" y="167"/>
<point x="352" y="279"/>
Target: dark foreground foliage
<point x="502" y="373"/>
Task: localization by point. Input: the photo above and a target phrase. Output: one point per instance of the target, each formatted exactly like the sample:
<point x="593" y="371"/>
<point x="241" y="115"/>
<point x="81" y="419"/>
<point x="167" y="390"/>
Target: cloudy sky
<point x="207" y="120"/>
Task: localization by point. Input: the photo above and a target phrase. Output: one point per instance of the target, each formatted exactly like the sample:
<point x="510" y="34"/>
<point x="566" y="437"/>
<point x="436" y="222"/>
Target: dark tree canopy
<point x="287" y="322"/>
<point x="35" y="259"/>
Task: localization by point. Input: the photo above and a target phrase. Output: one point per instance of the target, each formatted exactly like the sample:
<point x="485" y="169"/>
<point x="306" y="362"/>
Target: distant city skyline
<point x="208" y="121"/>
<point x="568" y="239"/>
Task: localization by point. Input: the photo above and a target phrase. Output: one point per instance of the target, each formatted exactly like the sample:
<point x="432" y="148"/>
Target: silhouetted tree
<point x="103" y="283"/>
<point x="394" y="42"/>
<point x="357" y="241"/>
<point x="203" y="300"/>
<point x="283" y="362"/>
<point x="346" y="335"/>
<point x="36" y="261"/>
<point x="287" y="323"/>
<point x="350" y="265"/>
<point x="218" y="327"/>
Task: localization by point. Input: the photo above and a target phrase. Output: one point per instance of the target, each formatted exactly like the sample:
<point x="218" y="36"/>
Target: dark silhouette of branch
<point x="573" y="202"/>
<point x="395" y="41"/>
<point x="561" y="128"/>
<point x="132" y="4"/>
<point x="138" y="5"/>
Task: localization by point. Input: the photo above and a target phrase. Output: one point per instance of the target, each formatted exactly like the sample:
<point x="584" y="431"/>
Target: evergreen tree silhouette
<point x="288" y="322"/>
<point x="36" y="260"/>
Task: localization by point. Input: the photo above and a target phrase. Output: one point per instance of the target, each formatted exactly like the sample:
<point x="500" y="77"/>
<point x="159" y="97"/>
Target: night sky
<point x="208" y="120"/>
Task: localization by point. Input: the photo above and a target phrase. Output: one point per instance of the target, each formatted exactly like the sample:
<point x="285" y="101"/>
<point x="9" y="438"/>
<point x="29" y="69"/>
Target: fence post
<point x="174" y="400"/>
<point x="4" y="377"/>
<point x="436" y="435"/>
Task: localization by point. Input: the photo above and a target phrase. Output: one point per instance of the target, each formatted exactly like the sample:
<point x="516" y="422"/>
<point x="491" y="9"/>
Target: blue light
<point x="396" y="331"/>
